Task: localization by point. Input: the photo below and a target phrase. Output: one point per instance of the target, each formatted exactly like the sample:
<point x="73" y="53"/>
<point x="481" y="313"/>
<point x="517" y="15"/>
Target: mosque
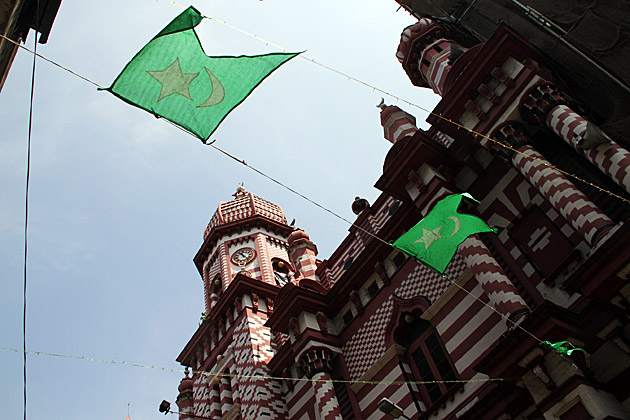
<point x="532" y="123"/>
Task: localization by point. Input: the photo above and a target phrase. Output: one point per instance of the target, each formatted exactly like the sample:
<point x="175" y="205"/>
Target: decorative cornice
<point x="290" y="302"/>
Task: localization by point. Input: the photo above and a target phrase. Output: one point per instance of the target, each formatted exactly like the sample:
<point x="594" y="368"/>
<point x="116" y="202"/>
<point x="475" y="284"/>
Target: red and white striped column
<point x="575" y="207"/>
<point x="225" y="392"/>
<point x="236" y="399"/>
<point x="317" y="364"/>
<point x="327" y="404"/>
<point x="582" y="213"/>
<point x="608" y="156"/>
<point x="303" y="253"/>
<point x="185" y="399"/>
<point x="501" y="292"/>
<point x="545" y="105"/>
<point x="215" y="398"/>
<point x="397" y="124"/>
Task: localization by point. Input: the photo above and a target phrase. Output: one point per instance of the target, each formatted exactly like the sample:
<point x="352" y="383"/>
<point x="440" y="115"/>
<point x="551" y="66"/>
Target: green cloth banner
<point x="434" y="240"/>
<point x="172" y="77"/>
<point x="561" y="347"/>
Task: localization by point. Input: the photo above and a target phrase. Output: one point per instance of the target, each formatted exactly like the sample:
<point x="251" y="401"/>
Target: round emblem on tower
<point x="243" y="256"/>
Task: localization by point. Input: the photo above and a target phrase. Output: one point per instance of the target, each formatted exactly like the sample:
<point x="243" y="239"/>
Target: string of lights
<point x="252" y="376"/>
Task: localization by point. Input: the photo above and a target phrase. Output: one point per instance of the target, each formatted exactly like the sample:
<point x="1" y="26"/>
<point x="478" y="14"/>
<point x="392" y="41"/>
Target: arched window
<point x="280" y="271"/>
<point x="428" y="359"/>
<point x="425" y="353"/>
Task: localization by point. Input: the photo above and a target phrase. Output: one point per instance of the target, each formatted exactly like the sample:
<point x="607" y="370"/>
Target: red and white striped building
<point x="286" y="336"/>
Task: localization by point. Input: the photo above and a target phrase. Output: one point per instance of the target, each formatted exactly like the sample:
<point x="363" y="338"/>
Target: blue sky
<point x="119" y="200"/>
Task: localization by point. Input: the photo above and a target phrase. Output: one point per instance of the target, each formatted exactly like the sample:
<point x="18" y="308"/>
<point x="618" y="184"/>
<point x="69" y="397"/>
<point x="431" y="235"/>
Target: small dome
<point x="244" y="205"/>
<point x="186" y="384"/>
<point x="359" y="204"/>
<point x="297" y="235"/>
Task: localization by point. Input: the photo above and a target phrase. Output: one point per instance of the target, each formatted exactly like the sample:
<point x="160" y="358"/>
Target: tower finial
<point x="382" y="105"/>
<point x="240" y="189"/>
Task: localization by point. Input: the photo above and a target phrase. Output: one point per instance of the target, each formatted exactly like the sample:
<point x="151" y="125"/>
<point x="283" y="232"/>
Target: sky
<point x="118" y="200"/>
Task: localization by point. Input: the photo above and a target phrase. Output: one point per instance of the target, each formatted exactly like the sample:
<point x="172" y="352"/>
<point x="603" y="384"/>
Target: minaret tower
<point x="244" y="261"/>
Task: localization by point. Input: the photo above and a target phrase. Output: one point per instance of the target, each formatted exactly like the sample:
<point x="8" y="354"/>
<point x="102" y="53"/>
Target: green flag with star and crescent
<point x="434" y="239"/>
<point x="172" y="77"/>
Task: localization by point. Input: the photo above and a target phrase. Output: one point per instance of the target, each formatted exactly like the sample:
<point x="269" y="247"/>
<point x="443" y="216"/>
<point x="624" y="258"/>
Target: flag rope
<point x="255" y="376"/>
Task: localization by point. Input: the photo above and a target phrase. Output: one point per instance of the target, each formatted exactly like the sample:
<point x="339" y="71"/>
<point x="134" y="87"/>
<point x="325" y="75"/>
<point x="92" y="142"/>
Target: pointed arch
<point x="398" y="326"/>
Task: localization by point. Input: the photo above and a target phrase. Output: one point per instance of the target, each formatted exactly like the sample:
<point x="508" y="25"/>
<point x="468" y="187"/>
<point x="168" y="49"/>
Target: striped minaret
<point x="545" y="105"/>
<point x="432" y="56"/>
<point x="303" y="253"/>
<point x="397" y="124"/>
<point x="436" y="61"/>
<point x="500" y="291"/>
<point x="317" y="365"/>
<point x="185" y="401"/>
<point x="409" y="32"/>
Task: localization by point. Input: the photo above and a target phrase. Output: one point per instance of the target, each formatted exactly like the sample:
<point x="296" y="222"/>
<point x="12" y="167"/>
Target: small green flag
<point x="561" y="347"/>
<point x="172" y="77"/>
<point x="435" y="238"/>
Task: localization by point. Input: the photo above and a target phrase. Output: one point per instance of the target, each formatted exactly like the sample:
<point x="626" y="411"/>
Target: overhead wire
<point x="35" y="53"/>
<point x="26" y="206"/>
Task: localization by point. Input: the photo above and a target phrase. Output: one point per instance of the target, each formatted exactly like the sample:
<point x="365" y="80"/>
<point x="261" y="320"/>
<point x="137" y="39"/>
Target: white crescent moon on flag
<point x="457" y="223"/>
<point x="218" y="91"/>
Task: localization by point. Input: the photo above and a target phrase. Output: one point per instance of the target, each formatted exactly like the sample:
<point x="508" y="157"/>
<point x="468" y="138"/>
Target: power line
<point x="26" y="191"/>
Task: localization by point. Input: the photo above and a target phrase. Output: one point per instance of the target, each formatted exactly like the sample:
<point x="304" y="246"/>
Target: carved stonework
<point x="322" y="321"/>
<point x="537" y="103"/>
<point x="294" y="327"/>
<point x="254" y="302"/>
<point x="315" y="361"/>
<point x="510" y="134"/>
<point x="356" y="301"/>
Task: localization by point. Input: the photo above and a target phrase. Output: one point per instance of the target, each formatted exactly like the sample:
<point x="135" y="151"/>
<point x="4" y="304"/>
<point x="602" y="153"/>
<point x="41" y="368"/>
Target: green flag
<point x="435" y="238"/>
<point x="562" y="347"/>
<point x="172" y="77"/>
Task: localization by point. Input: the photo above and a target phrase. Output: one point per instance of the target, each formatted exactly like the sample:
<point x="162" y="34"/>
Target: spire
<point x="397" y="124"/>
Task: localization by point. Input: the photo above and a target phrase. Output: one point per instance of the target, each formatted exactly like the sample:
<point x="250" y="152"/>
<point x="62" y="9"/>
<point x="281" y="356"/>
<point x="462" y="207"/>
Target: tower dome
<point x="244" y="205"/>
